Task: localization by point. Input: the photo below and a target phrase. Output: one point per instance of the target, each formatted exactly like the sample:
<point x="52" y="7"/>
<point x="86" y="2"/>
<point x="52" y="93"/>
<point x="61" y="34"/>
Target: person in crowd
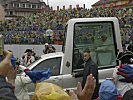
<point x="103" y="48"/>
<point x="130" y="47"/>
<point x="45" y="48"/>
<point x="89" y="68"/>
<point x="51" y="49"/>
<point x="120" y="82"/>
<point x="128" y="95"/>
<point x="108" y="91"/>
<point x="27" y="58"/>
<point x="7" y="90"/>
<point x="56" y="20"/>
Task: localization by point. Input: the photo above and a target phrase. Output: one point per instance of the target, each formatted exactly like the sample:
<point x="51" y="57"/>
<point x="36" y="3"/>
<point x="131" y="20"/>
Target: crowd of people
<point x="34" y="29"/>
<point x="119" y="87"/>
<point x="49" y="28"/>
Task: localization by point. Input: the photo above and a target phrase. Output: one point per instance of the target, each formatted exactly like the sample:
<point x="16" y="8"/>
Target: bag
<point x="49" y="91"/>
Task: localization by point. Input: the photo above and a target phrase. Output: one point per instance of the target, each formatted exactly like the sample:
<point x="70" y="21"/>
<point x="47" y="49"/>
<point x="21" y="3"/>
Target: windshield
<point x="33" y="62"/>
<point x="99" y="38"/>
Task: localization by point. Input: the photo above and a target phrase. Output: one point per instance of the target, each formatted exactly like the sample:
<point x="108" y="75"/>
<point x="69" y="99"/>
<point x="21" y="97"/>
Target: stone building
<point x="2" y="12"/>
<point x="15" y="8"/>
<point x="114" y="4"/>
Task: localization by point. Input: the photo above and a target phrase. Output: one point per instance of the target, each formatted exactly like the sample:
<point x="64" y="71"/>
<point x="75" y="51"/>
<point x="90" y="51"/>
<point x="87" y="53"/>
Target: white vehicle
<point x="82" y="33"/>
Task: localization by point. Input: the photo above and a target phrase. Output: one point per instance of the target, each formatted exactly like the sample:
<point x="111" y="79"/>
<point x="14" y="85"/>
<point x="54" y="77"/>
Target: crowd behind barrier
<point x="33" y="29"/>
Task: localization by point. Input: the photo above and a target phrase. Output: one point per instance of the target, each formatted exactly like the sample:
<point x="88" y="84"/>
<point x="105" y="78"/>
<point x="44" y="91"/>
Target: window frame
<point x="60" y="57"/>
<point x="114" y="41"/>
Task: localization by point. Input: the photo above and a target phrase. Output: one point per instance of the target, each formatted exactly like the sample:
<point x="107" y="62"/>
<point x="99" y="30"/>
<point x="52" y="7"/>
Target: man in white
<point x="28" y="58"/>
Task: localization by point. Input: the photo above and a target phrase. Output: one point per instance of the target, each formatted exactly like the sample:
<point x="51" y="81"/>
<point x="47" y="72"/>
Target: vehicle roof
<point x="92" y="19"/>
<point x="51" y="55"/>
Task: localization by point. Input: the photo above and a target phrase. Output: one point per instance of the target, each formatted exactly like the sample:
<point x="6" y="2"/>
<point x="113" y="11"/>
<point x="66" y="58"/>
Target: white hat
<point x="46" y="43"/>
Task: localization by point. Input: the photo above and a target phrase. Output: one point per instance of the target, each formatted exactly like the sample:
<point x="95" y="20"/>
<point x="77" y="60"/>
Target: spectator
<point x="128" y="95"/>
<point x="27" y="58"/>
<point x="130" y="47"/>
<point x="51" y="49"/>
<point x="46" y="48"/>
<point x="108" y="91"/>
<point x="122" y="86"/>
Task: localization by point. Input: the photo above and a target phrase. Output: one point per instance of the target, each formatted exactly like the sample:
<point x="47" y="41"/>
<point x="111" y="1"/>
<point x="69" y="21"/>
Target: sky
<point x="61" y="3"/>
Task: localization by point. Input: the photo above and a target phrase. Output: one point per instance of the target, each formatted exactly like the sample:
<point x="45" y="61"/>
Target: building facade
<point x="15" y="8"/>
<point x="2" y="12"/>
<point x="114" y="4"/>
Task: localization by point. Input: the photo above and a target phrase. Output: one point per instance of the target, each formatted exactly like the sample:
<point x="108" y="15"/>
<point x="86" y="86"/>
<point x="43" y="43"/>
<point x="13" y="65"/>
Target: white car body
<point x="63" y="76"/>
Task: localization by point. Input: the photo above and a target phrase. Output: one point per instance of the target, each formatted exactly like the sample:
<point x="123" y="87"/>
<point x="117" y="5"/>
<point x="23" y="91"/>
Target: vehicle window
<point x="53" y="63"/>
<point x="99" y="38"/>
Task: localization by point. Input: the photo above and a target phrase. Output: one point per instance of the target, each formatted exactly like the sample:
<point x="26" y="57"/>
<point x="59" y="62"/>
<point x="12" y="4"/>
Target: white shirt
<point x="21" y="91"/>
<point x="27" y="61"/>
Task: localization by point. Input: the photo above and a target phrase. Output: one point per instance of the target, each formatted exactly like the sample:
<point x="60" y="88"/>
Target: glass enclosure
<point x="99" y="38"/>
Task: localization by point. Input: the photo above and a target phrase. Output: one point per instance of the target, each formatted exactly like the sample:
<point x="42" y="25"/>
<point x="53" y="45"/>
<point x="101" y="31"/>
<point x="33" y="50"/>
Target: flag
<point x="42" y="9"/>
<point x="51" y="8"/>
<point x="63" y="7"/>
<point x="70" y="7"/>
<point x="39" y="75"/>
<point x="77" y="6"/>
<point x="57" y="8"/>
<point x="84" y="6"/>
<point x="111" y="5"/>
<point x="103" y="6"/>
<point x="120" y="6"/>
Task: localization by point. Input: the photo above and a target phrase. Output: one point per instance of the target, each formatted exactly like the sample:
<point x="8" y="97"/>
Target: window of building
<point x="38" y="6"/>
<point x="53" y="63"/>
<point x="11" y="12"/>
<point x="33" y="6"/>
<point x="23" y="5"/>
<point x="29" y="5"/>
<point x="17" y="5"/>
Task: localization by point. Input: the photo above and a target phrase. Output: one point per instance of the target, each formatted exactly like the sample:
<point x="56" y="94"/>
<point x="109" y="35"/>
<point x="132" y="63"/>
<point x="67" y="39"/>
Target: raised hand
<point x="5" y="64"/>
<point x="88" y="90"/>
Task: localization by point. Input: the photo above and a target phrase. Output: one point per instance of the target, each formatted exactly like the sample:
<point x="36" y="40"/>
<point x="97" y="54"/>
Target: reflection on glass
<point x="99" y="39"/>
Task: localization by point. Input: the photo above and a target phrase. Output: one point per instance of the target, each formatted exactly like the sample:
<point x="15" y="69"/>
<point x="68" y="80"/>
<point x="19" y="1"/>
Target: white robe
<point x="21" y="91"/>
